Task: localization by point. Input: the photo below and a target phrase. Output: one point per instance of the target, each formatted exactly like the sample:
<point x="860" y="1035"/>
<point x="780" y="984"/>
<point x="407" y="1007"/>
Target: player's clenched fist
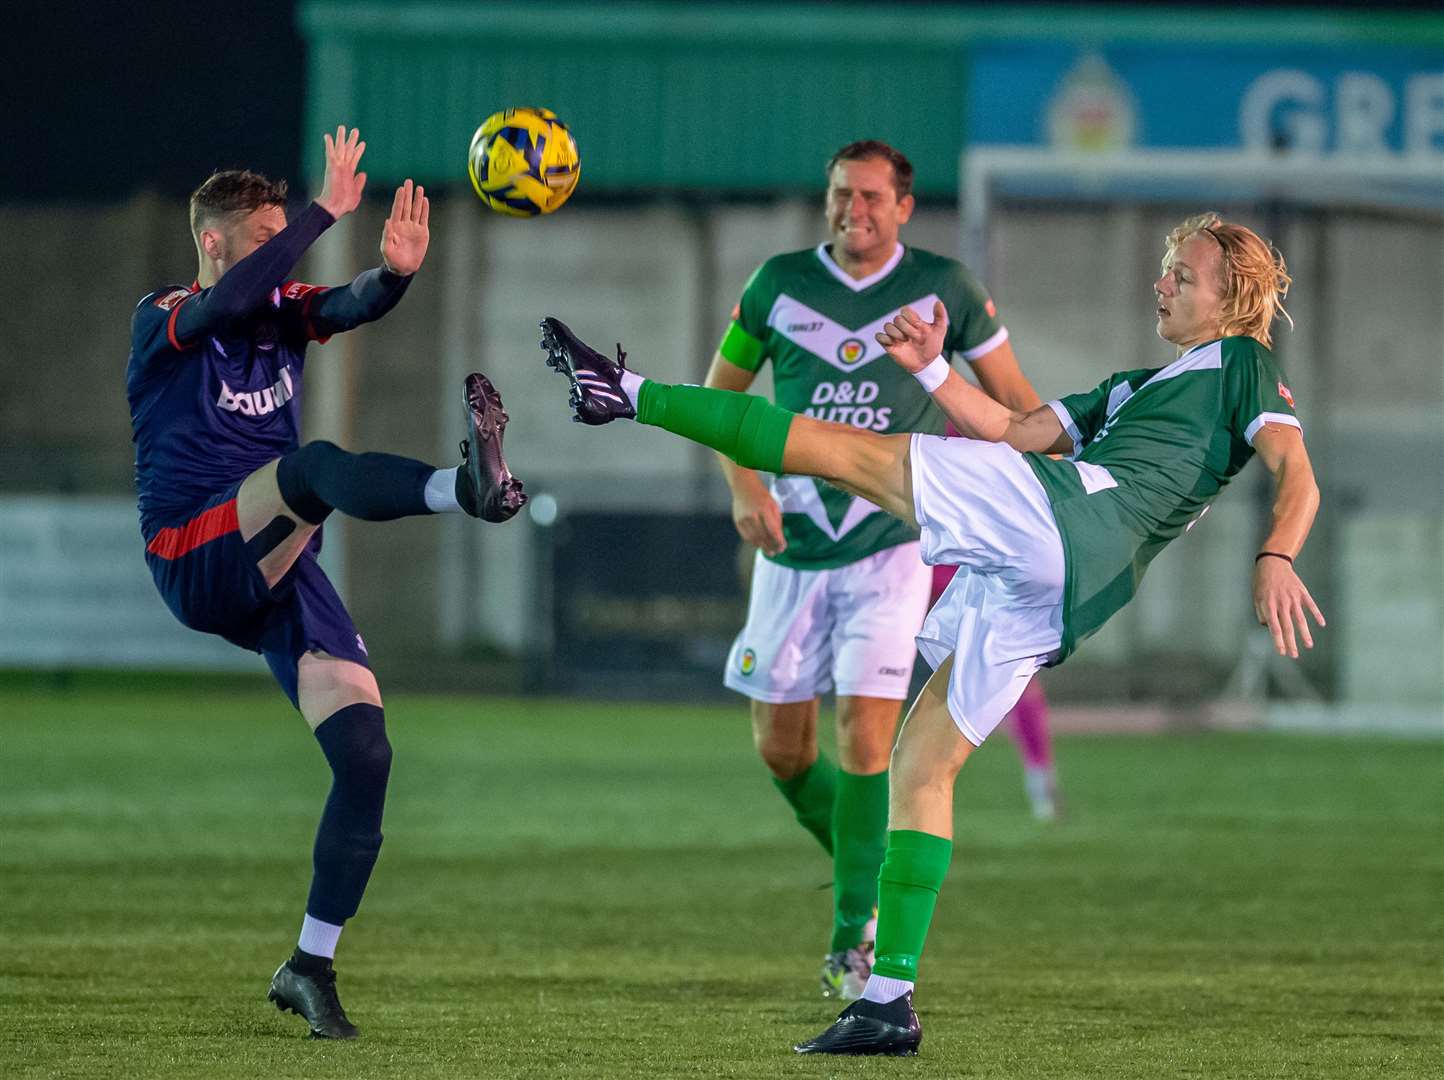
<point x="913" y="342"/>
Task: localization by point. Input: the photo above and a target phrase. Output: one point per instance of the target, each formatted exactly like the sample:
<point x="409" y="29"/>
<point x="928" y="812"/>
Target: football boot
<point x="866" y="1027"/>
<point x="312" y="995"/>
<point x="597" y="396"/>
<point x="485" y="487"/>
<point x="845" y="972"/>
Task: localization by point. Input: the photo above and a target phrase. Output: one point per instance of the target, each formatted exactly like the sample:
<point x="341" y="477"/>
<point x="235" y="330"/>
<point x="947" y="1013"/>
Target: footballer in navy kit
<point x="231" y="502"/>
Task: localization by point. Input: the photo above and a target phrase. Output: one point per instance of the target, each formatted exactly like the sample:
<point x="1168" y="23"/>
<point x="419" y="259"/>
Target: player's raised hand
<point x="911" y="341"/>
<point x="1282" y="603"/>
<point x="407" y="231"/>
<point x="341" y="192"/>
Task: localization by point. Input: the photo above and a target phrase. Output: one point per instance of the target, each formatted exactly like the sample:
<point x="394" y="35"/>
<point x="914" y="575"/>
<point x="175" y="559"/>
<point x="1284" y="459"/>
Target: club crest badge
<point x="851" y="351"/>
<point x="747" y="662"/>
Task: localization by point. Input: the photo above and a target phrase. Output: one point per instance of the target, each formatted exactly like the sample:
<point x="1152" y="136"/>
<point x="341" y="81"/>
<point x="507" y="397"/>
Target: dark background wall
<point x="106" y="99"/>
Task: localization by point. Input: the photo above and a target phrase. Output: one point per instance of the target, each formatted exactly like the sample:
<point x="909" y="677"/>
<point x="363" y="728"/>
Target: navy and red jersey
<point x="214" y="375"/>
<point x="208" y="413"/>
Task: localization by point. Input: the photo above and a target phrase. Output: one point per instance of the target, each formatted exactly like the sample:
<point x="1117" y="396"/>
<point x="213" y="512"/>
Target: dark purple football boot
<point x="485" y="487"/>
<point x="597" y="396"/>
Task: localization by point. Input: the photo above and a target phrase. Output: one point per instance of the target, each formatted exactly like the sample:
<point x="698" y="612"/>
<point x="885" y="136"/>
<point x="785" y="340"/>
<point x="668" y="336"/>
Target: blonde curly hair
<point x="1255" y="279"/>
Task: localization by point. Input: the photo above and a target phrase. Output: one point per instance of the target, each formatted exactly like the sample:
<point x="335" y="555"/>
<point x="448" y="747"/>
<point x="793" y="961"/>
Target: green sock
<point x="750" y="430"/>
<point x="912" y="873"/>
<point x="859" y="838"/>
<point x="812" y="793"/>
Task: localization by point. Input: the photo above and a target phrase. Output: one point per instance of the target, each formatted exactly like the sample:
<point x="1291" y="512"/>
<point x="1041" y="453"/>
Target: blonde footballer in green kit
<point x="1049" y="548"/>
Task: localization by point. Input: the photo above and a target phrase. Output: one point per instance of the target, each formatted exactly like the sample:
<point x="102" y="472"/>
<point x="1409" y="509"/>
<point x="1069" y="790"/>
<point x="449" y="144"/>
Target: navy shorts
<point x="211" y="583"/>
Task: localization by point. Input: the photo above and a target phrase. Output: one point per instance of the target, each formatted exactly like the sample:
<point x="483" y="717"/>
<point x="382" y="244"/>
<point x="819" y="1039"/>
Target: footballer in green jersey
<point x="1048" y="548"/>
<point x="1152" y="449"/>
<point x="817" y="326"/>
<point x="838" y="590"/>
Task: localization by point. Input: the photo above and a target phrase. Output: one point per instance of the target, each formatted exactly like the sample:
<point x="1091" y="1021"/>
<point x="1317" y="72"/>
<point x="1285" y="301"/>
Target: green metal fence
<point x="718" y="98"/>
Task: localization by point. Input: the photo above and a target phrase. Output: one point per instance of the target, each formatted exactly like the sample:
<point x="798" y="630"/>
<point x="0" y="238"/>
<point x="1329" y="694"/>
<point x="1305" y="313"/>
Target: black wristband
<point x="1274" y="555"/>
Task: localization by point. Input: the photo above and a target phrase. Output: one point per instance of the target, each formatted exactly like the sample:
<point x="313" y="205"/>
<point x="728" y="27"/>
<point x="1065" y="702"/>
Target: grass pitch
<point x="575" y="889"/>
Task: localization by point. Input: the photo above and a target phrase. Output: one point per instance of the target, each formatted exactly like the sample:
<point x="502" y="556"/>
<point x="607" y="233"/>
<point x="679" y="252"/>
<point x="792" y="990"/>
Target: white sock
<point x="318" y="938"/>
<point x="1040" y="785"/>
<point x="632" y="386"/>
<point x="881" y="989"/>
<point x="441" y="495"/>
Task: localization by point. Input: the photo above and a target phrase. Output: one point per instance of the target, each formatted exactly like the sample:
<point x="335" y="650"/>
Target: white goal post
<point x="1000" y="185"/>
<point x="1201" y="177"/>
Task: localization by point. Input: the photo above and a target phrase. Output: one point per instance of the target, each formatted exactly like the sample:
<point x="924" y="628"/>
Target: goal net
<point x="1070" y="242"/>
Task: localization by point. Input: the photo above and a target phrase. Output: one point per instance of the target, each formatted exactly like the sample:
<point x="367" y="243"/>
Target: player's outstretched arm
<point x="247" y="285"/>
<point x="407" y="232"/>
<point x="1279" y="598"/>
<point x="341" y="191"/>
<point x="404" y="240"/>
<point x="1001" y="377"/>
<point x="916" y="346"/>
<point x="755" y="512"/>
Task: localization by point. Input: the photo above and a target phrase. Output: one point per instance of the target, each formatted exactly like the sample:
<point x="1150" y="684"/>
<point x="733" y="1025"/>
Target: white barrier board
<point x="75" y="592"/>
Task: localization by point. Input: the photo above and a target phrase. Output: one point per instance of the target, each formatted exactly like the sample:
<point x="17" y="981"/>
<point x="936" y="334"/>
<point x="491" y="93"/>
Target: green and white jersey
<point x="1152" y="449"/>
<point x="817" y="325"/>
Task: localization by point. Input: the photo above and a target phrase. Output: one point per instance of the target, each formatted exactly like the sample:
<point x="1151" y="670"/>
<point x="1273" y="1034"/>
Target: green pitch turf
<point x="591" y="890"/>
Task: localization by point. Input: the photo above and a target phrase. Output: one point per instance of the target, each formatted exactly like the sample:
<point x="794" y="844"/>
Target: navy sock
<point x="349" y="837"/>
<point x="321" y="477"/>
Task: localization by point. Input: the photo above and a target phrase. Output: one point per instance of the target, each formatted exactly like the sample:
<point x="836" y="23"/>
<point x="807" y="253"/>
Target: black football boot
<point x="485" y="487"/>
<point x="597" y="396"/>
<point x="311" y="994"/>
<point x="866" y="1027"/>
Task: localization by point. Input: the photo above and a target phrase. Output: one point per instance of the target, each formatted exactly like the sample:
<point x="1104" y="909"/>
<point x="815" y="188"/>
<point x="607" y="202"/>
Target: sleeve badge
<point x="299" y="290"/>
<point x="168" y="301"/>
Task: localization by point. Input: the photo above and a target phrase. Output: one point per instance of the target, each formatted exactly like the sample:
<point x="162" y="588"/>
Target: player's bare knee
<point x="258" y="500"/>
<point x="328" y="684"/>
<point x="912" y="769"/>
<point x="785" y="737"/>
<point x="931" y="750"/>
<point x="865" y="731"/>
<point x="916" y="763"/>
<point x="864" y="756"/>
<point x="785" y="756"/>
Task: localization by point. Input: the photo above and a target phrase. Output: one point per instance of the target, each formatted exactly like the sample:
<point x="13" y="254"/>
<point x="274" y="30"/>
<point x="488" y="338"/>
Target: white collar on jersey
<point x="858" y="284"/>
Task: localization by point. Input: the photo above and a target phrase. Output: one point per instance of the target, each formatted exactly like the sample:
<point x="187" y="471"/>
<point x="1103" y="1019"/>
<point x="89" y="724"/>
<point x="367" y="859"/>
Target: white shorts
<point x="982" y="509"/>
<point x="851" y="627"/>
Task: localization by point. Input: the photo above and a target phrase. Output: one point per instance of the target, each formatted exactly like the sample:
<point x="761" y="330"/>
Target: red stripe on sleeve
<point x="170" y="328"/>
<point x="311" y="291"/>
<point x="171" y="543"/>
